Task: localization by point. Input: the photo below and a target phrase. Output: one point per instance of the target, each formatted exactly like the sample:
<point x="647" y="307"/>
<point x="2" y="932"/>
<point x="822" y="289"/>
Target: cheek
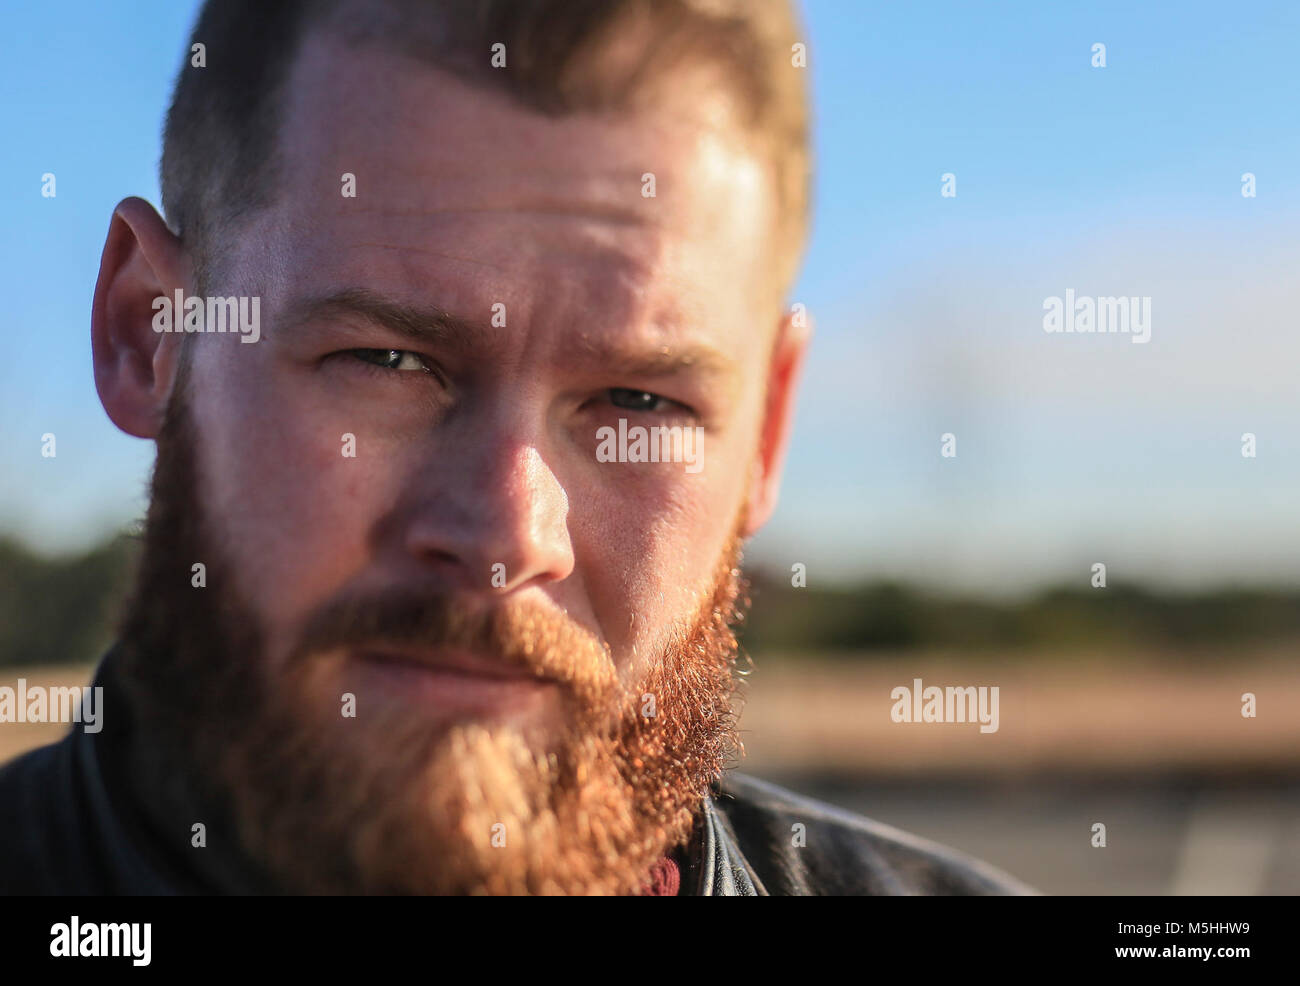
<point x="289" y="508"/>
<point x="648" y="551"/>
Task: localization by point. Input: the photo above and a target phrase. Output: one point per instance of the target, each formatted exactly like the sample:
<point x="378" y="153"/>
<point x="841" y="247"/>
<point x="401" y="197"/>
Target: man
<point x="463" y="350"/>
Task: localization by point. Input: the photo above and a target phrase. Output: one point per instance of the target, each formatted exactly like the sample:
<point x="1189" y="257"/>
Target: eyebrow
<point x="422" y="324"/>
<point x="433" y="326"/>
<point x="663" y="361"/>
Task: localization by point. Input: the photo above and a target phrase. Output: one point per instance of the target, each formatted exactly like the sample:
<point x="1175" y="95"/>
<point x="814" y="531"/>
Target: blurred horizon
<point x="869" y="620"/>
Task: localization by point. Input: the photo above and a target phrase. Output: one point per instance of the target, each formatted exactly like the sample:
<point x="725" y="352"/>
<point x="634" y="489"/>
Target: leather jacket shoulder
<point x="835" y="852"/>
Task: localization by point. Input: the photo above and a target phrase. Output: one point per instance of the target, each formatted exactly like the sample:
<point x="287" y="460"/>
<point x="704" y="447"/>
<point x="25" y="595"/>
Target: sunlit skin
<point x="475" y="444"/>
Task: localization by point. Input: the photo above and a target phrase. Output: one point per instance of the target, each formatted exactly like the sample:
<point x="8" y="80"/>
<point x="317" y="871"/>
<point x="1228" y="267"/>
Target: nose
<point x="491" y="515"/>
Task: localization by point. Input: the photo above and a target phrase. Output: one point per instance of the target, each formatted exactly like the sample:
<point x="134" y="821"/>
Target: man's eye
<point x="391" y="359"/>
<point x="636" y="400"/>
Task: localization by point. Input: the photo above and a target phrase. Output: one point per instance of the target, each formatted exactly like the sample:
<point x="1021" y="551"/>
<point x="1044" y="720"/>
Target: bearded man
<point x="397" y="627"/>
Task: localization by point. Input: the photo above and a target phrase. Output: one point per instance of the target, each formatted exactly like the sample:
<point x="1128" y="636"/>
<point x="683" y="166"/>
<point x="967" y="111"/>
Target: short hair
<point x="219" y="160"/>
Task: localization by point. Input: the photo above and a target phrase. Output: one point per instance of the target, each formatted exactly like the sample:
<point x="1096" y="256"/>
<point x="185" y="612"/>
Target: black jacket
<point x="70" y="825"/>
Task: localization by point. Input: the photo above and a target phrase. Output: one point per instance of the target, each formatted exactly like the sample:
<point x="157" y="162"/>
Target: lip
<point x="457" y="683"/>
<point x="452" y="662"/>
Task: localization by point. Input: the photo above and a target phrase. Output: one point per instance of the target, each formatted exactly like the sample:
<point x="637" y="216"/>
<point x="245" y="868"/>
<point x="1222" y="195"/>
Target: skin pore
<point x="373" y="574"/>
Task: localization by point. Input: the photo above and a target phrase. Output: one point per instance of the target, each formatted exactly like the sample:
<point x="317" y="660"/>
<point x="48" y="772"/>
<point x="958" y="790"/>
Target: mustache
<point x="545" y="642"/>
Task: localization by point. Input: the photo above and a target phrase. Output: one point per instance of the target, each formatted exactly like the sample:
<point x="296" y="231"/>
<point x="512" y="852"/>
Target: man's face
<point x="434" y="610"/>
<point x="475" y="469"/>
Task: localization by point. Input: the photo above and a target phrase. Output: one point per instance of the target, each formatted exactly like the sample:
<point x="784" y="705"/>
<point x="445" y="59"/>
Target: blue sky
<point x="1123" y="180"/>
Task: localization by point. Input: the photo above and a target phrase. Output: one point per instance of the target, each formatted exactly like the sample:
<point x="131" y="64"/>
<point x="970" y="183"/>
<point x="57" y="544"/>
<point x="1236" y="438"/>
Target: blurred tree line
<point x="63" y="611"/>
<point x="883" y="616"/>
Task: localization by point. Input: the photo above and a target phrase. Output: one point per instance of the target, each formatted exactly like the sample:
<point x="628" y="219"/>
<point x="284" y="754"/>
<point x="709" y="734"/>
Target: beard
<point x="391" y="801"/>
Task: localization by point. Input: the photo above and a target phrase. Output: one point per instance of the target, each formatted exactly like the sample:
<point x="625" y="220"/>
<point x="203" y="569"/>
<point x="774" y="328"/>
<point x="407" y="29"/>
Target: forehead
<point x="461" y="190"/>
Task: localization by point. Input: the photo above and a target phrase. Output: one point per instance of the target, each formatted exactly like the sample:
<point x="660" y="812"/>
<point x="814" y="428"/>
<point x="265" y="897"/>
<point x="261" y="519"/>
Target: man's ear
<point x="786" y="366"/>
<point x="135" y="366"/>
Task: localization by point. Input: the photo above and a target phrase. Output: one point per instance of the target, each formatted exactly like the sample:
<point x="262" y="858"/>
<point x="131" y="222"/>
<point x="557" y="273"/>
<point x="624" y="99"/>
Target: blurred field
<point x="19" y="737"/>
<point x="1081" y="712"/>
<point x="1195" y="798"/>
